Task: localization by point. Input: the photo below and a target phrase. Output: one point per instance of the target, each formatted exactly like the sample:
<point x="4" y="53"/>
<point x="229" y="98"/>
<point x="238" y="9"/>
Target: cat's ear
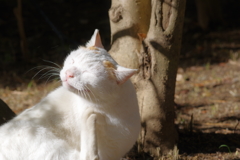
<point x="123" y="74"/>
<point x="95" y="41"/>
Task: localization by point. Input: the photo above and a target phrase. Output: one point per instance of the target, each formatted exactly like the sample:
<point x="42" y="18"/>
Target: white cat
<point x="94" y="115"/>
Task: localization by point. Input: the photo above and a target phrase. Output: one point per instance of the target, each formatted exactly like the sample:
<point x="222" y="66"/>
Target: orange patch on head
<point x="108" y="65"/>
<point x="93" y="48"/>
<point x="110" y="68"/>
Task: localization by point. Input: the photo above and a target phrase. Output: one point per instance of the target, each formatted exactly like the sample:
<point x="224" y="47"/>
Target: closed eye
<point x="87" y="72"/>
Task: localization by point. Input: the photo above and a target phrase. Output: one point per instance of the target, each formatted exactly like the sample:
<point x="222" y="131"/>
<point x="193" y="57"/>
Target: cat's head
<point x="90" y="70"/>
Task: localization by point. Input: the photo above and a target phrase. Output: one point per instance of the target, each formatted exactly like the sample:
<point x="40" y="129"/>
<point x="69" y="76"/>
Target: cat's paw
<point x="95" y="158"/>
<point x="90" y="157"/>
<point x="86" y="114"/>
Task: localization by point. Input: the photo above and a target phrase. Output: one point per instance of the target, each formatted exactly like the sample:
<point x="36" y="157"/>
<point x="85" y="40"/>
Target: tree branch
<point x="18" y="13"/>
<point x="172" y="20"/>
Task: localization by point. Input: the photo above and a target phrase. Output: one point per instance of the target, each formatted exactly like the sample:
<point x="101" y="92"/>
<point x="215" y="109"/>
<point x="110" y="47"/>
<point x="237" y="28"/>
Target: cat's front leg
<point x="89" y="148"/>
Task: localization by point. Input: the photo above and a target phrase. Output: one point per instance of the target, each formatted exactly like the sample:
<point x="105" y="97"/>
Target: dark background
<point x="75" y="21"/>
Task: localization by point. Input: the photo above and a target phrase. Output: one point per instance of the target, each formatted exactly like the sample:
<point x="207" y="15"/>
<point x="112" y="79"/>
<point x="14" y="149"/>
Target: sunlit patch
<point x="93" y="48"/>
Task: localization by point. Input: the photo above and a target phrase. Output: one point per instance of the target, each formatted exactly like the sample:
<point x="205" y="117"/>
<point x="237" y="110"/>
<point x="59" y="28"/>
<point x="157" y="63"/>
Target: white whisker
<point x="42" y="68"/>
<point x="49" y="78"/>
<point x="51" y="72"/>
<point x="89" y="96"/>
<point x="38" y="73"/>
<point x="84" y="94"/>
<point x="53" y="63"/>
<point x="92" y="93"/>
<point x="59" y="80"/>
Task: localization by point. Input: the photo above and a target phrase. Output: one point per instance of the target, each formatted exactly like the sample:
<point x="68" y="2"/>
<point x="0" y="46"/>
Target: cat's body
<point x="94" y="115"/>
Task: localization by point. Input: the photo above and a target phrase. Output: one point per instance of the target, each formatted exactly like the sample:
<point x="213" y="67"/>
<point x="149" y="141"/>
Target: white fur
<point x="91" y="116"/>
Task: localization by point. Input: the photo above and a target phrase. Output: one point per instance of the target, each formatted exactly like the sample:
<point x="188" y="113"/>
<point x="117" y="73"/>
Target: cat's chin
<point x="72" y="89"/>
<point x="68" y="87"/>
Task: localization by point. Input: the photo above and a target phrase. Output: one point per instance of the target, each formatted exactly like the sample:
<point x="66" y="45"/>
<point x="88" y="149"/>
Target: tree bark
<point x="147" y="35"/>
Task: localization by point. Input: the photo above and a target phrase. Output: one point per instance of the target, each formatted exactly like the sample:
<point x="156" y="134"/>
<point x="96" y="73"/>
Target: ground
<point x="207" y="96"/>
<point x="207" y="99"/>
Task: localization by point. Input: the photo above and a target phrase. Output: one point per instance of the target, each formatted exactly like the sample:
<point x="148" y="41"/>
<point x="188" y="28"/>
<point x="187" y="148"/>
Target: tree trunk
<point x="147" y="35"/>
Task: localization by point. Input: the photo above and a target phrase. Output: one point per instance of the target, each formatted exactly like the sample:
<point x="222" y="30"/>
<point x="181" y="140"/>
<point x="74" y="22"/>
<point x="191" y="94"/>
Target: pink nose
<point x="69" y="74"/>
